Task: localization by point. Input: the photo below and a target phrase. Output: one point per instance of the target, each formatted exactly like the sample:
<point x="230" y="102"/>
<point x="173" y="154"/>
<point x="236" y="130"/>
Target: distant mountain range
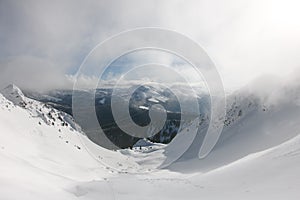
<point x="140" y="102"/>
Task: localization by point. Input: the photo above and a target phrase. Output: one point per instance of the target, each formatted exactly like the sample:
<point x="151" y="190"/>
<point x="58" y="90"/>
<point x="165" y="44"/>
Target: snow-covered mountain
<point x="44" y="156"/>
<point x="257" y="156"/>
<point x="254" y="122"/>
<point x="139" y="103"/>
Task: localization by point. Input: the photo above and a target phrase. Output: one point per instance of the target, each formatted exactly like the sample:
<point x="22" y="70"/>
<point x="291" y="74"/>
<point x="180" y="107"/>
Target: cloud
<point x="32" y="73"/>
<point x="42" y="41"/>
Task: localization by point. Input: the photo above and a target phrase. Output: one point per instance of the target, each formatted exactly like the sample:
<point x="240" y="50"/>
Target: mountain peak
<point x="13" y="93"/>
<point x="12" y="87"/>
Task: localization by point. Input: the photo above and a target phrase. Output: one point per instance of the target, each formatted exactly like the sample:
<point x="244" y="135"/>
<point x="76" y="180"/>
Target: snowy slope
<point x="42" y="152"/>
<point x="271" y="174"/>
<point x="257" y="157"/>
<point x="253" y="123"/>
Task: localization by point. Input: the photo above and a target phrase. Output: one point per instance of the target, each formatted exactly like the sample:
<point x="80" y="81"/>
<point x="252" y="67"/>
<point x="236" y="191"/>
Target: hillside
<point x="44" y="154"/>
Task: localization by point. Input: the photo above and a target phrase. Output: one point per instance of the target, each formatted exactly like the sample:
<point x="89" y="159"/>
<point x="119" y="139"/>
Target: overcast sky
<point x="43" y="42"/>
